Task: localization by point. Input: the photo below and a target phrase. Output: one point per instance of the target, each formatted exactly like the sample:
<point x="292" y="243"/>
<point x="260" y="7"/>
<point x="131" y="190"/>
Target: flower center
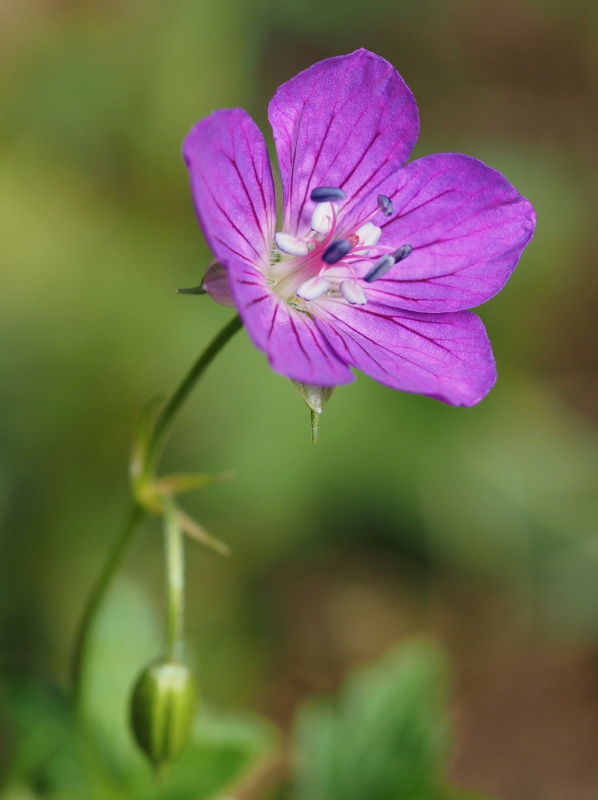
<point x="329" y="261"/>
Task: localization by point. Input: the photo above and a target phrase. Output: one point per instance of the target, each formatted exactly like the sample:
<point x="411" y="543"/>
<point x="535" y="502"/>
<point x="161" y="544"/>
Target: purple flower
<point x="375" y="263"/>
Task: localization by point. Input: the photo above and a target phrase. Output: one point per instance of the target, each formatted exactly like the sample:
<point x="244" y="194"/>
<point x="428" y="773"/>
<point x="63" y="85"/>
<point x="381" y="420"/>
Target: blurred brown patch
<point x="525" y="707"/>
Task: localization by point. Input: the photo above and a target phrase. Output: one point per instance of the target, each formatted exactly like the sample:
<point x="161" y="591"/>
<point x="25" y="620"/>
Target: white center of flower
<point x="324" y="262"/>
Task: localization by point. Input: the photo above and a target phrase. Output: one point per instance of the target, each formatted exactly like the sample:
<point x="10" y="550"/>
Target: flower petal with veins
<point x="445" y="356"/>
<point x="349" y="122"/>
<point x="428" y="240"/>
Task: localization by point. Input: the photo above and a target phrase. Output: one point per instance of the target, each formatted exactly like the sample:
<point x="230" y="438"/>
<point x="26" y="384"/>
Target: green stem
<point x="121" y="544"/>
<point x="175" y="583"/>
<point x="315" y="425"/>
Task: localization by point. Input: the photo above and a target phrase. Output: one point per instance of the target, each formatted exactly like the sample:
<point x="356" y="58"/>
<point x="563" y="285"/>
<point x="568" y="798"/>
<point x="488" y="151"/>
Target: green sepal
<point x="315" y="398"/>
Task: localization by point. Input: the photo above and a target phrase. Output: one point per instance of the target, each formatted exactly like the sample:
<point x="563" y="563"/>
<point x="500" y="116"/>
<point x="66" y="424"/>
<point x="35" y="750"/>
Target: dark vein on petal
<point x="274" y="315"/>
<point x="362" y="157"/>
<point x="225" y="214"/>
<point x="340" y="147"/>
<point x="365" y="350"/>
<point x="258" y="179"/>
<point x="319" y="346"/>
<point x="396" y="321"/>
<point x="313" y="169"/>
<point x="404" y="214"/>
<point x="297" y="337"/>
<point x="425" y="185"/>
<point x="394" y="356"/>
<point x="295" y="143"/>
<point x="239" y="255"/>
<point x="249" y="283"/>
<point x="249" y="197"/>
<point x="257" y="300"/>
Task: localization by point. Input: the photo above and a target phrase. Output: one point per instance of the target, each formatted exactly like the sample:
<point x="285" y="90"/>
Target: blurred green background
<point x="477" y="525"/>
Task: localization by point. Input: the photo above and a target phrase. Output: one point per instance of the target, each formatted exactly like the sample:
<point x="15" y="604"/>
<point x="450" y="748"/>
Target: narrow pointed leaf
<point x="195" y="531"/>
<point x="179" y="483"/>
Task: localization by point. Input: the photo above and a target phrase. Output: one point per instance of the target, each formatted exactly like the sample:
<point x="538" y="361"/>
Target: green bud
<point x="316" y="398"/>
<point x="162" y="710"/>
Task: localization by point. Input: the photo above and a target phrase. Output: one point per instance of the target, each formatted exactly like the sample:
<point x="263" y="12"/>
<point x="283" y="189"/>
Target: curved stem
<point x="122" y="542"/>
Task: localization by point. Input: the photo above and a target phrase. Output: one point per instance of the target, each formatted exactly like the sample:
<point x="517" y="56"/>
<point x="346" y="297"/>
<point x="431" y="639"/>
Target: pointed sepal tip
<point x="315" y="398"/>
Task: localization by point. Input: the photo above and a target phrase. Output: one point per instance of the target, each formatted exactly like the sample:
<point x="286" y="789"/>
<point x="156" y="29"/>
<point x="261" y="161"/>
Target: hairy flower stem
<point x="121" y="544"/>
<point x="174" y="547"/>
<point x="315" y="425"/>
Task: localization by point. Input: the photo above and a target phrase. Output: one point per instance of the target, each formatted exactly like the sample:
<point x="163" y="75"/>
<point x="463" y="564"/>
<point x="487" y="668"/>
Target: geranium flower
<point x="375" y="263"/>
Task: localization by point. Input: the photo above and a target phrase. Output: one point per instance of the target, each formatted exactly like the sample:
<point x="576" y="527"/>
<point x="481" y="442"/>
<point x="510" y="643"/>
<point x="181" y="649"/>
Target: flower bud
<point x="162" y="710"/>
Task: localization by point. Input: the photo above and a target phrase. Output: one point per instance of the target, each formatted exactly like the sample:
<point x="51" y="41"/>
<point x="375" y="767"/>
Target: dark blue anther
<point x="385" y="205"/>
<point x="383" y="264"/>
<point x="402" y="253"/>
<point x="326" y="194"/>
<point x="335" y="251"/>
<point x="380" y="268"/>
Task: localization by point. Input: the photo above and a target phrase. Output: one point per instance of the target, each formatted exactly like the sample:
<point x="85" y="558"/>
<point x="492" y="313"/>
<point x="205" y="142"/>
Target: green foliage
<point x="46" y="756"/>
<point x="385" y="738"/>
<point x="38" y="750"/>
<point x="223" y="749"/>
<point x="126" y="638"/>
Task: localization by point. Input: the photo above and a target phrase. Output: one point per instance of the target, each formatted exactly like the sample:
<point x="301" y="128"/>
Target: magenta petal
<point x="233" y="190"/>
<point x="445" y="356"/>
<point x="347" y="122"/>
<point x="294" y="345"/>
<point x="467" y="226"/>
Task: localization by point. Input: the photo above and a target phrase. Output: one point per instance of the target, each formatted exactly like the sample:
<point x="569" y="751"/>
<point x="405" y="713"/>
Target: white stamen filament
<point x="322" y="217"/>
<point x="353" y="293"/>
<point x="290" y="245"/>
<point x="313" y="288"/>
<point x="368" y="234"/>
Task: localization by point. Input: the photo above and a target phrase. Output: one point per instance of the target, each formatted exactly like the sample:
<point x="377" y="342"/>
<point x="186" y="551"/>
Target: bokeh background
<point x="478" y="526"/>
